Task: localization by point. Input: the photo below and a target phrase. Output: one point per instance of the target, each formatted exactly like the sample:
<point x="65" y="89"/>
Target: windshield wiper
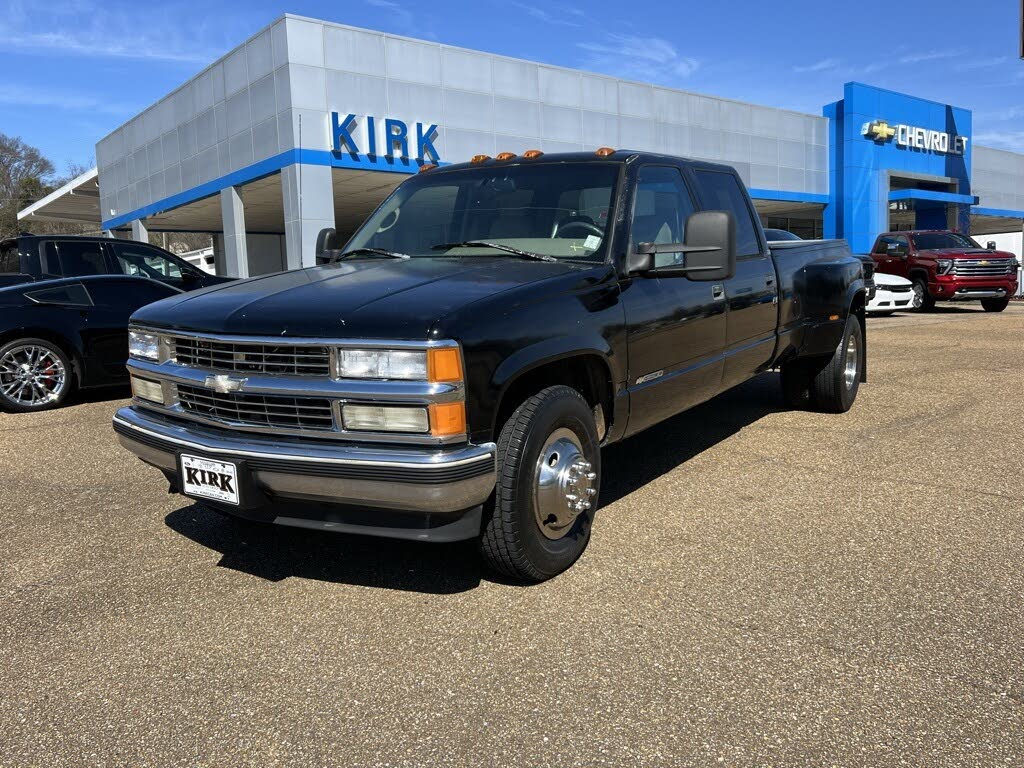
<point x="374" y="252"/>
<point x="495" y="246"/>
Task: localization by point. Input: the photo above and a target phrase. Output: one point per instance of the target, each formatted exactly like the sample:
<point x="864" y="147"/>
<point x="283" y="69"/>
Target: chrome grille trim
<point x="251" y="357"/>
<point x="275" y="411"/>
<point x="975" y="267"/>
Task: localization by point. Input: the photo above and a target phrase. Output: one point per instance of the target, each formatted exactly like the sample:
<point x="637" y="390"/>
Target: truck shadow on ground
<point x="275" y="553"/>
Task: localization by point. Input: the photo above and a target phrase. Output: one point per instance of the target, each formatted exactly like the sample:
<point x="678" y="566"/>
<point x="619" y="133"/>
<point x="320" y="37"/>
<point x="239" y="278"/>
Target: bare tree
<point x="25" y="176"/>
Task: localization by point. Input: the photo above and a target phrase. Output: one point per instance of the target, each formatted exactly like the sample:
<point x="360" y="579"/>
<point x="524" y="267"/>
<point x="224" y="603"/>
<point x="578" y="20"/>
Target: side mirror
<point x="991" y="245"/>
<point x="326" y="242"/>
<point x="710" y="250"/>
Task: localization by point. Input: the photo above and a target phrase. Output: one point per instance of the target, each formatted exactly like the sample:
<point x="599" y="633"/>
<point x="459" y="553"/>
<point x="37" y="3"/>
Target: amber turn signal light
<point x="480" y="158"/>
<point x="444" y="364"/>
<point x="604" y="152"/>
<point x="505" y="156"/>
<point x="447" y="419"/>
<point x="530" y="154"/>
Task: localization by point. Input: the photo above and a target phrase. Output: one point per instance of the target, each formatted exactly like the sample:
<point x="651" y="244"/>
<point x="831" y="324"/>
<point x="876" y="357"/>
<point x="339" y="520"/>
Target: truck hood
<point x="967" y="253"/>
<point x="371" y="298"/>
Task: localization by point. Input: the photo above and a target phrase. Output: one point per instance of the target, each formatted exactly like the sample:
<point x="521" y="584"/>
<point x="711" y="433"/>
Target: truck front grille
<point x="982" y="267"/>
<point x="277" y="411"/>
<point x="246" y="357"/>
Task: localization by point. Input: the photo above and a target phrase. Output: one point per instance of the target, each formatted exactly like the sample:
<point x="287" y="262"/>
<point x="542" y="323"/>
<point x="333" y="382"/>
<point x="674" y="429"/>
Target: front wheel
<point x="549" y="474"/>
<point x="923" y="301"/>
<point x="995" y="305"/>
<point x="35" y="375"/>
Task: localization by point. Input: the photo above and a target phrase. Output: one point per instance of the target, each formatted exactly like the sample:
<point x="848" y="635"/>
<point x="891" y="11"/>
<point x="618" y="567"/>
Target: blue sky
<point x="73" y="70"/>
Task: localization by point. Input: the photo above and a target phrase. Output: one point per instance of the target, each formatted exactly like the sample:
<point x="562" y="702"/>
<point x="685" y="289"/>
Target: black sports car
<point x="64" y="308"/>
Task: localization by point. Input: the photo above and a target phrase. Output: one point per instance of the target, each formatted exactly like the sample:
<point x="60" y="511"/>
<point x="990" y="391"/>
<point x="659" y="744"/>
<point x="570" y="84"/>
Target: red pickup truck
<point x="948" y="266"/>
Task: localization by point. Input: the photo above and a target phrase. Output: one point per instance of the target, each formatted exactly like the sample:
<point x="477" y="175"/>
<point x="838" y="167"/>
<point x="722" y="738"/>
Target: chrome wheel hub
<point x="31" y="376"/>
<point x="852" y="368"/>
<point x="918" y="296"/>
<point x="564" y="483"/>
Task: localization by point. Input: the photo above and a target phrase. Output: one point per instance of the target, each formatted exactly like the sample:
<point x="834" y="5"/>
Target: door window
<point x="9" y="261"/>
<point x="660" y="209"/>
<point x="139" y="261"/>
<point x="74" y="258"/>
<point x="721" y="191"/>
<point x="892" y="245"/>
<point x="118" y="292"/>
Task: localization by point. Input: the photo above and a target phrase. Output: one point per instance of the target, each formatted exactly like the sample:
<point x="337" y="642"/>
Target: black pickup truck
<point x="456" y="368"/>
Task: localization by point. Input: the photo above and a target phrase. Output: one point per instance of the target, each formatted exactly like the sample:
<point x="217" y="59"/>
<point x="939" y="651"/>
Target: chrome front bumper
<point x="429" y="479"/>
<point x="969" y="294"/>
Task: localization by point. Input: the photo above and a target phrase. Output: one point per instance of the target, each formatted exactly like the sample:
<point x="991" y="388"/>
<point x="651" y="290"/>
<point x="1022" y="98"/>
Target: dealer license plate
<point x="217" y="480"/>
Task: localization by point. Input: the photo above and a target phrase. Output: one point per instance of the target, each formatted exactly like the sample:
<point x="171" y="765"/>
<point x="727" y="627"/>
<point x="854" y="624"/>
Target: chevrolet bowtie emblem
<point x="224" y="384"/>
<point x="879" y="130"/>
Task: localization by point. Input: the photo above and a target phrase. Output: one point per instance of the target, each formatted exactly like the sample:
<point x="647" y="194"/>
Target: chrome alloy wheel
<point x="564" y="483"/>
<point x="918" y="300"/>
<point x="32" y="376"/>
<point x="852" y="368"/>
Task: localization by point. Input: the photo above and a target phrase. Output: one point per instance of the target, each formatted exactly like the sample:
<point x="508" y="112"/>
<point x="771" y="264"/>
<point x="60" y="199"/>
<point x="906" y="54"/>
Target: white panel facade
<point x="248" y="106"/>
<point x="997" y="178"/>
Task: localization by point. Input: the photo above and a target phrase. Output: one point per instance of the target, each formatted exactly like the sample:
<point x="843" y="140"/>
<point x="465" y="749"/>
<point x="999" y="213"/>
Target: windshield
<point x="554" y="210"/>
<point x="935" y="241"/>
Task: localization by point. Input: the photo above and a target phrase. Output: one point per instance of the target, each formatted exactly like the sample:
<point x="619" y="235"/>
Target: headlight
<point x="440" y="364"/>
<point x="382" y="364"/>
<point x="143" y="345"/>
<point x="942" y="266"/>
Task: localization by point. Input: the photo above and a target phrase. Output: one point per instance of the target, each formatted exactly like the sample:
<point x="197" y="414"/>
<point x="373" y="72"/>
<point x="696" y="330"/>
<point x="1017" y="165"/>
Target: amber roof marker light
<point x="505" y="156"/>
<point x="480" y="158"/>
<point x="530" y="154"/>
<point x="604" y="152"/>
<point x="426" y="167"/>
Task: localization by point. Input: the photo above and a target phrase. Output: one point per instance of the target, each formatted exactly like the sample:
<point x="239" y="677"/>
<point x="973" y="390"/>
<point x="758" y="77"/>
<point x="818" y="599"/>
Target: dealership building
<point x="309" y="124"/>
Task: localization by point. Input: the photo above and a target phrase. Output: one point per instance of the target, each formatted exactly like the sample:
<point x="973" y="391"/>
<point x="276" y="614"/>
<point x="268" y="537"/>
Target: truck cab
<point x="947" y="266"/>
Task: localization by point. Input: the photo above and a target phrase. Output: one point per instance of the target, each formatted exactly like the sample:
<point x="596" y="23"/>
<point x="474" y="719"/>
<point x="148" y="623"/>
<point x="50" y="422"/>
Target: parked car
<point x="892" y="293"/>
<point x="64" y="308"/>
<point x="948" y="266"/>
<point x="779" y="235"/>
<point x="458" y="367"/>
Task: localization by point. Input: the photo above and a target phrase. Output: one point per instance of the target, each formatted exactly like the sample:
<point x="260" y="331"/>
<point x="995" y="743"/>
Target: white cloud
<point x="166" y="32"/>
<point x="553" y="15"/>
<point x="915" y="58"/>
<point x="403" y="18"/>
<point x="41" y="97"/>
<point x="818" y="66"/>
<point x="89" y="44"/>
<point x="638" y="58"/>
<point x="1012" y="140"/>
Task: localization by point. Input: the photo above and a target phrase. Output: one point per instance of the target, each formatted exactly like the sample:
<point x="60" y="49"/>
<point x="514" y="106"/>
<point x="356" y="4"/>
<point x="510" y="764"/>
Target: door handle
<point x="717" y="292"/>
<point x="769" y="281"/>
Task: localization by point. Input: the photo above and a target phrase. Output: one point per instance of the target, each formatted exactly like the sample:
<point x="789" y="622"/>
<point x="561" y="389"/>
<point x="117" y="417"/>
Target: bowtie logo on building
<point x="879" y="130"/>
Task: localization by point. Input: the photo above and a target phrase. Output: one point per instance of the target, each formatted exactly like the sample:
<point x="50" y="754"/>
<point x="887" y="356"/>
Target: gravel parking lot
<point x="764" y="587"/>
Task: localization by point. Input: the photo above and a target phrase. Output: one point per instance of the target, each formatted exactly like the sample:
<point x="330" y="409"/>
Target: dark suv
<point x="64" y="308"/>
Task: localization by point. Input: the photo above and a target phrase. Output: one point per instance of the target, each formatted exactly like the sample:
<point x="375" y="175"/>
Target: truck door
<point x="891" y="254"/>
<point x="752" y="293"/>
<point x="675" y="326"/>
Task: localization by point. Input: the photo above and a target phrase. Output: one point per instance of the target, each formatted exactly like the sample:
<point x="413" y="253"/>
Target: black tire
<point x="921" y="293"/>
<point x="820" y="383"/>
<point x="512" y="541"/>
<point x="833" y="389"/>
<point x="995" y="305"/>
<point x="10" y="385"/>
